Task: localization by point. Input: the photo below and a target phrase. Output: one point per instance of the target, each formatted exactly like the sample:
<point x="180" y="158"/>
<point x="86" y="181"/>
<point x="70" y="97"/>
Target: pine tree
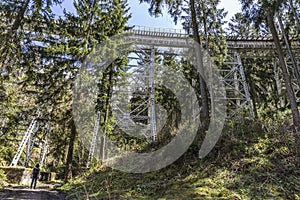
<point x="94" y="22"/>
<point x="44" y="72"/>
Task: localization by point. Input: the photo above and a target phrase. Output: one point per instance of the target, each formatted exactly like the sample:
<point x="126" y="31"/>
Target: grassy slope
<point x="252" y="160"/>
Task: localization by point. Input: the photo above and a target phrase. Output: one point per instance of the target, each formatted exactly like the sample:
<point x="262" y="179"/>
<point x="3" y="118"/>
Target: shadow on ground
<point x="43" y="191"/>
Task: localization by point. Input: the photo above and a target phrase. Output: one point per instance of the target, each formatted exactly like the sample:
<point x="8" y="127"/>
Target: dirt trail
<point x="25" y="193"/>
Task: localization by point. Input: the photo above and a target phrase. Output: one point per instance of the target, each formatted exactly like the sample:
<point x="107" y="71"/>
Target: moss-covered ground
<point x="252" y="160"/>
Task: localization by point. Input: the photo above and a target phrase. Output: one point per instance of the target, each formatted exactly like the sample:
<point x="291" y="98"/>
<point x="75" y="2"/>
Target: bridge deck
<point x="176" y="38"/>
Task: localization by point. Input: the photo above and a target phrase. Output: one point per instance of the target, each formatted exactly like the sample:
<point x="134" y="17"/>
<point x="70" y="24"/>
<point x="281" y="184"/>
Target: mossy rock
<point x="17" y="175"/>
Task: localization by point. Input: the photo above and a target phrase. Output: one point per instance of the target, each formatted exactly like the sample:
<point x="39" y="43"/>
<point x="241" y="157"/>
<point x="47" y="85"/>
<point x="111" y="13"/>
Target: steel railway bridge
<point x="167" y="41"/>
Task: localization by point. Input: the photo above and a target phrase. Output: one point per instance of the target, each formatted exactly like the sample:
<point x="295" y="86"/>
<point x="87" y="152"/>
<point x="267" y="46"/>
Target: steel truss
<point x="237" y="91"/>
<point x="233" y="75"/>
<point x="140" y="120"/>
<point x="27" y="138"/>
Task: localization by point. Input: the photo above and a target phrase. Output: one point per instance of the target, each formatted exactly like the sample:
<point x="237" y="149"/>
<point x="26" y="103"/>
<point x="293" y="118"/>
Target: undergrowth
<point x="252" y="160"/>
<point x="3" y="178"/>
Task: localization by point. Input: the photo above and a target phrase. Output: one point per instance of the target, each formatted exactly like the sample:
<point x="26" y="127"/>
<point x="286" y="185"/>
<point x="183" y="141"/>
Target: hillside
<point x="252" y="160"/>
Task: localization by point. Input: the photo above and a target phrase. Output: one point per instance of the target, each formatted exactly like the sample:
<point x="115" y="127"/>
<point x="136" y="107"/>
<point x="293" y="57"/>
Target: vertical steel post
<point x="31" y="145"/>
<point x="25" y="139"/>
<point x="152" y="97"/>
<point x="245" y="85"/>
<point x="94" y="139"/>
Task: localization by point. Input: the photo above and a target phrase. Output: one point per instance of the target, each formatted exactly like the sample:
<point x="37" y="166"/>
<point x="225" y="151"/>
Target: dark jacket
<point x="35" y="172"/>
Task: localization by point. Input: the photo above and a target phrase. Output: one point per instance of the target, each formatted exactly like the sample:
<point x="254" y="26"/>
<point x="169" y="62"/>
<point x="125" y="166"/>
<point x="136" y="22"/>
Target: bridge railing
<point x="158" y="32"/>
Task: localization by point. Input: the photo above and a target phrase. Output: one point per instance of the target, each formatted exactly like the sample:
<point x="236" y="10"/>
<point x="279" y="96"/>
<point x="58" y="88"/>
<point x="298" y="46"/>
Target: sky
<point x="141" y="17"/>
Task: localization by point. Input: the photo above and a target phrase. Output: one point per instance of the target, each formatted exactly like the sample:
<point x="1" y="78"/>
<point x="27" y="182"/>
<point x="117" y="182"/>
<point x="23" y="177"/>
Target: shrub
<point x="3" y="178"/>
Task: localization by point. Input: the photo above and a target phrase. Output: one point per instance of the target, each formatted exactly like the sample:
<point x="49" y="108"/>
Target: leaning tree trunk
<point x="203" y="87"/>
<point x="20" y="16"/>
<point x="286" y="76"/>
<point x="289" y="49"/>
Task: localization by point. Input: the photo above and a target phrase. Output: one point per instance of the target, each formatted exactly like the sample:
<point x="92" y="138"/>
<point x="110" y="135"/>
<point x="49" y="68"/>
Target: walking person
<point x="35" y="175"/>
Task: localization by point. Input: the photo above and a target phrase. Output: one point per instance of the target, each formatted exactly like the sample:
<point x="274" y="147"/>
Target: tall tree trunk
<point x="286" y="77"/>
<point x="252" y="93"/>
<point x="288" y="84"/>
<point x="203" y="87"/>
<point x="69" y="166"/>
<point x="205" y="27"/>
<point x="107" y="108"/>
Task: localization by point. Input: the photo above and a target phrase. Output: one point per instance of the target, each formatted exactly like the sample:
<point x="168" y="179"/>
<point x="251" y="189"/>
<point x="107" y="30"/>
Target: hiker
<point x="35" y="175"/>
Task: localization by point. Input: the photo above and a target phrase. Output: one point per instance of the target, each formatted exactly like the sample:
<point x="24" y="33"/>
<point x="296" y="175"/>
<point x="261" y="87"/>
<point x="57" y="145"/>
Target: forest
<point x="59" y="110"/>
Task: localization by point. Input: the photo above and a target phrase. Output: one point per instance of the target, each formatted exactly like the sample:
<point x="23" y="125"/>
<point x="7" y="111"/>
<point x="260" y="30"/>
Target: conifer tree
<point x="44" y="71"/>
<point x="94" y="22"/>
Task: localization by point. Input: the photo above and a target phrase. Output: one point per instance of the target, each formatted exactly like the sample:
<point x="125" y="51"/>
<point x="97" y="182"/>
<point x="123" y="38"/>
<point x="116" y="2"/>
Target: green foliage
<point x="3" y="177"/>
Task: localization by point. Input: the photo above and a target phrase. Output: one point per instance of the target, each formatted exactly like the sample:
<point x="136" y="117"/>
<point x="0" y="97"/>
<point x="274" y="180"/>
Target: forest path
<point x="42" y="192"/>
